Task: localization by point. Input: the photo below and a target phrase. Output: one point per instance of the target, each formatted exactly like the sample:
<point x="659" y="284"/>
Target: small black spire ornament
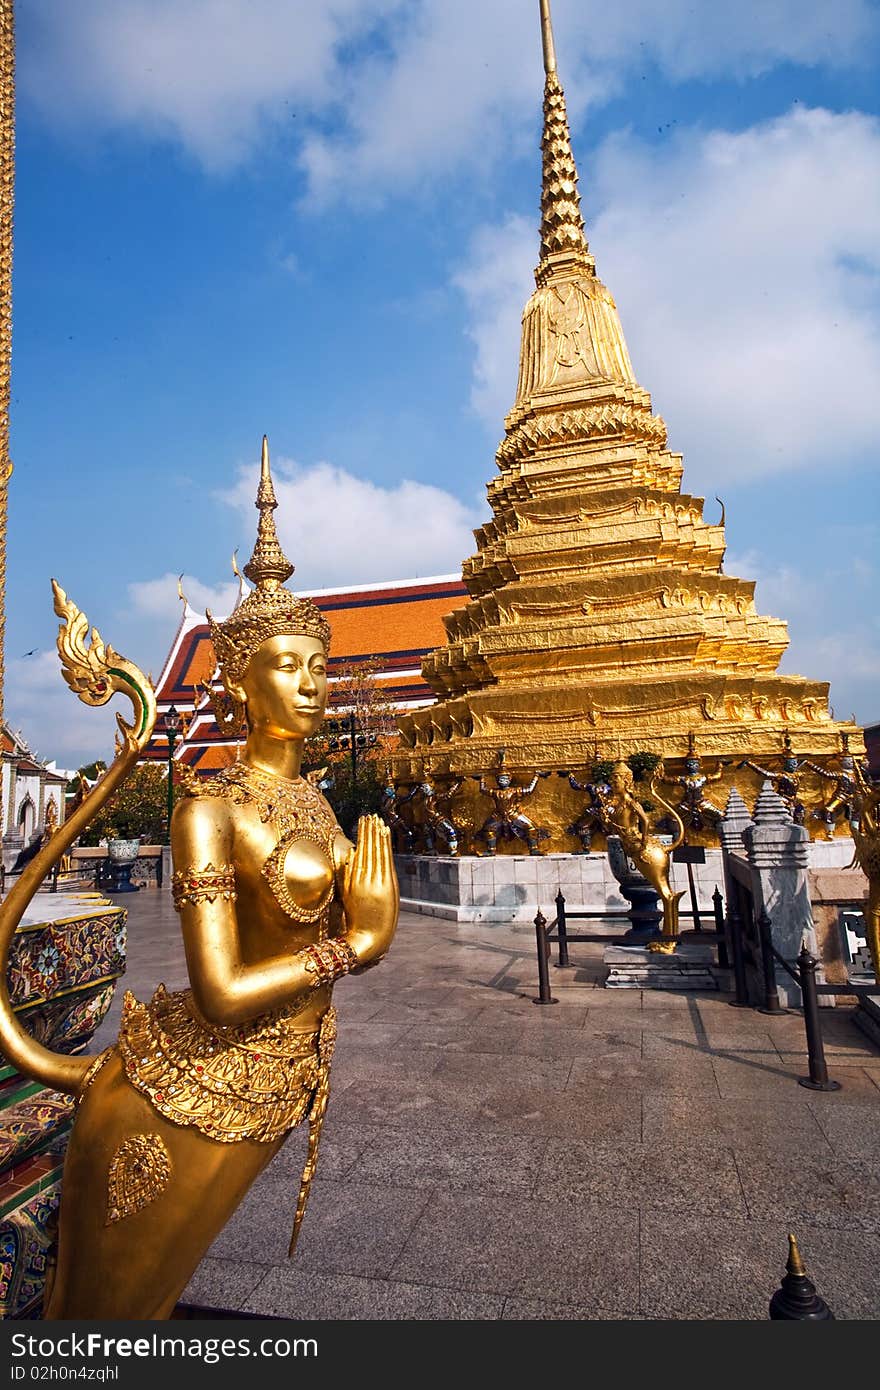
<point x="796" y="1299"/>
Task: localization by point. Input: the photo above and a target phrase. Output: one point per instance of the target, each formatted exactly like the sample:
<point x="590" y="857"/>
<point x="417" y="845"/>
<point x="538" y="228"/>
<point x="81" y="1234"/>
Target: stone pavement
<point x="622" y="1154"/>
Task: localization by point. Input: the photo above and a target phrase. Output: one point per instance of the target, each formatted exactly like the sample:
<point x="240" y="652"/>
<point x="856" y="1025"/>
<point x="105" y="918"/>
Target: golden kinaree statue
<point x="180" y="1115"/>
<point x="626" y="818"/>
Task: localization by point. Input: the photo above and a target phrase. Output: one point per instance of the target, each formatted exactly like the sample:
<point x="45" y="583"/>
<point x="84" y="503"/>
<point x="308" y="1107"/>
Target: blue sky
<point x="320" y="221"/>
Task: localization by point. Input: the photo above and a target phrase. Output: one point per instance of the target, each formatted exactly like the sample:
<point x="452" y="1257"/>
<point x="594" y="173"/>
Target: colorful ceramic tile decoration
<point x="61" y="977"/>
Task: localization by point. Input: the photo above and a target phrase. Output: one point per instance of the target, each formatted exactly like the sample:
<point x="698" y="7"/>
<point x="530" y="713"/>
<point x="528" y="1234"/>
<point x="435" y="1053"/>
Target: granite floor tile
<point x="363" y="1033"/>
<point x="832" y="1191"/>
<point x="223" y="1284"/>
<point x="352" y="1063"/>
<point x="708" y="1268"/>
<point x="350" y="1227"/>
<point x="519" y="1008"/>
<point x="520" y="1247"/>
<point x="602" y="1042"/>
<point x="476" y="1161"/>
<point x="407" y="1013"/>
<point x="476" y="1068"/>
<point x="787" y="1126"/>
<point x="852" y="1130"/>
<point x="498" y="1034"/>
<point x="287" y="1292"/>
<point x="597" y="1113"/>
<point x="558" y="1310"/>
<point x="755" y="1073"/>
<point x="341" y="1147"/>
<point x="419" y="1105"/>
<point x="693" y="1073"/>
<point x="686" y="1178"/>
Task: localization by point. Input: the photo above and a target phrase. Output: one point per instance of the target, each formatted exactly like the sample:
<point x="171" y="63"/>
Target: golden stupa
<point x="600" y="621"/>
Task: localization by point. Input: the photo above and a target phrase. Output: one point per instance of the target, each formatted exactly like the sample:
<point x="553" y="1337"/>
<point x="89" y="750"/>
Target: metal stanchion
<point x="561" y="930"/>
<point x="818" y="1077"/>
<point x="718" y="908"/>
<point x="771" y="1003"/>
<point x="739" y="968"/>
<point x="544" y="995"/>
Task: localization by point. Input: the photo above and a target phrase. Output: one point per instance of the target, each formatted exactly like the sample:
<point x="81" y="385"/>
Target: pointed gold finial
<point x="268" y="567"/>
<point x="180" y="594"/>
<point x="563" y="240"/>
<point x="547" y="37"/>
<point x="795" y="1263"/>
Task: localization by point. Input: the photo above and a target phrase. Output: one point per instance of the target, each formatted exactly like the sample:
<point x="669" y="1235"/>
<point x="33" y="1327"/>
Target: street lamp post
<point x="173" y="724"/>
<point x="345" y="731"/>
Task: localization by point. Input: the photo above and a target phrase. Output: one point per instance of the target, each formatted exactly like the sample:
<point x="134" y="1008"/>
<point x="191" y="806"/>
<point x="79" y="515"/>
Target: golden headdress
<point x="269" y="610"/>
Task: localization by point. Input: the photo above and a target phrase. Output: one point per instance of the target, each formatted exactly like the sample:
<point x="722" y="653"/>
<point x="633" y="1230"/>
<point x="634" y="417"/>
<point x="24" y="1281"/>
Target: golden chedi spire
<point x="562" y="226"/>
<point x="269" y="609"/>
<point x="268" y="566"/>
<point x="599" y="609"/>
<point x="571" y="330"/>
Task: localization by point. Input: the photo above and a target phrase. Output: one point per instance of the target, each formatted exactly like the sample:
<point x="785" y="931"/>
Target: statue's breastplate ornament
<point x="297" y="813"/>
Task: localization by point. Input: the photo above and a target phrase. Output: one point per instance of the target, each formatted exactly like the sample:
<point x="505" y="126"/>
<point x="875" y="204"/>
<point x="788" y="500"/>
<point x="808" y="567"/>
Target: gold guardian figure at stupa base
<point x="181" y="1114"/>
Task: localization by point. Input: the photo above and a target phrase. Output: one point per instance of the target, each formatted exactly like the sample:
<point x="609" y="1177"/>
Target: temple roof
<point x="396" y="622"/>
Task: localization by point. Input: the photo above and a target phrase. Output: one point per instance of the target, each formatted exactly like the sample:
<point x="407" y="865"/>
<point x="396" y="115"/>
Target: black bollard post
<point x="544" y="995"/>
<point x="718" y="908"/>
<point x="796" y="1299"/>
<point x="771" y="1003"/>
<point x="739" y="968"/>
<point x="562" y="930"/>
<point x="818" y="1077"/>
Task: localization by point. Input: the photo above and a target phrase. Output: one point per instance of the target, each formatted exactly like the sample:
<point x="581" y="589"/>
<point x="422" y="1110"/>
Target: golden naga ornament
<point x="203" y="1084"/>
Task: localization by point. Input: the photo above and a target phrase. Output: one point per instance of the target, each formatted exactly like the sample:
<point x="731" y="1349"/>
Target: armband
<point x="203" y="885"/>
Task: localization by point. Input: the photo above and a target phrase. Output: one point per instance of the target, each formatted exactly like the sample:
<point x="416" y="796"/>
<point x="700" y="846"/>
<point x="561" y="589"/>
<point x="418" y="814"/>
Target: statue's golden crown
<point x="269" y="610"/>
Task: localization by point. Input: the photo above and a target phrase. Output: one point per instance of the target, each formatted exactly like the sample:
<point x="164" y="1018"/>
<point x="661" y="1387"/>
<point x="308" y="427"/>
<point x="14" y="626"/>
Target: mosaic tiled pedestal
<point x="65" y="960"/>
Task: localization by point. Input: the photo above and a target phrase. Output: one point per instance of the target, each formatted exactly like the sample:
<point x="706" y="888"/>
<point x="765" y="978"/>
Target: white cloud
<point x="747" y="271"/>
<point x="208" y="74"/>
<point x="831" y="613"/>
<point x="386" y="93"/>
<point x="340" y="529"/>
<point x="496" y="283"/>
<point x="157" y="598"/>
<point x="52" y="720"/>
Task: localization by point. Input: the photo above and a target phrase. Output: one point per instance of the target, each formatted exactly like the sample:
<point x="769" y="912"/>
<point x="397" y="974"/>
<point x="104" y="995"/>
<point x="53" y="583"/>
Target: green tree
<point x="137" y="809"/>
<point x="353" y="785"/>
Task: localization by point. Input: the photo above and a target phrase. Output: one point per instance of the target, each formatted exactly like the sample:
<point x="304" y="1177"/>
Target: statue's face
<point x="427" y="789"/>
<point x="847" y="763"/>
<point x="790" y="764"/>
<point x="389" y="789"/>
<point x="692" y="765"/>
<point x="285" y="687"/>
<point x="504" y="779"/>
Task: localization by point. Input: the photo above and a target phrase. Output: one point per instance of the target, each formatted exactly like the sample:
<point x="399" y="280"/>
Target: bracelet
<point x="203" y="885"/>
<point x="334" y="957"/>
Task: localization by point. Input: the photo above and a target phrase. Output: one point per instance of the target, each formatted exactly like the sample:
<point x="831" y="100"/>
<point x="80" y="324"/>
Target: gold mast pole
<point x="547" y="37"/>
<point x="7" y="197"/>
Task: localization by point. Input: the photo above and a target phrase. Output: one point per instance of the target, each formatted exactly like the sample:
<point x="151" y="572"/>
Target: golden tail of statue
<point x="95" y="673"/>
<point x="658" y="775"/>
